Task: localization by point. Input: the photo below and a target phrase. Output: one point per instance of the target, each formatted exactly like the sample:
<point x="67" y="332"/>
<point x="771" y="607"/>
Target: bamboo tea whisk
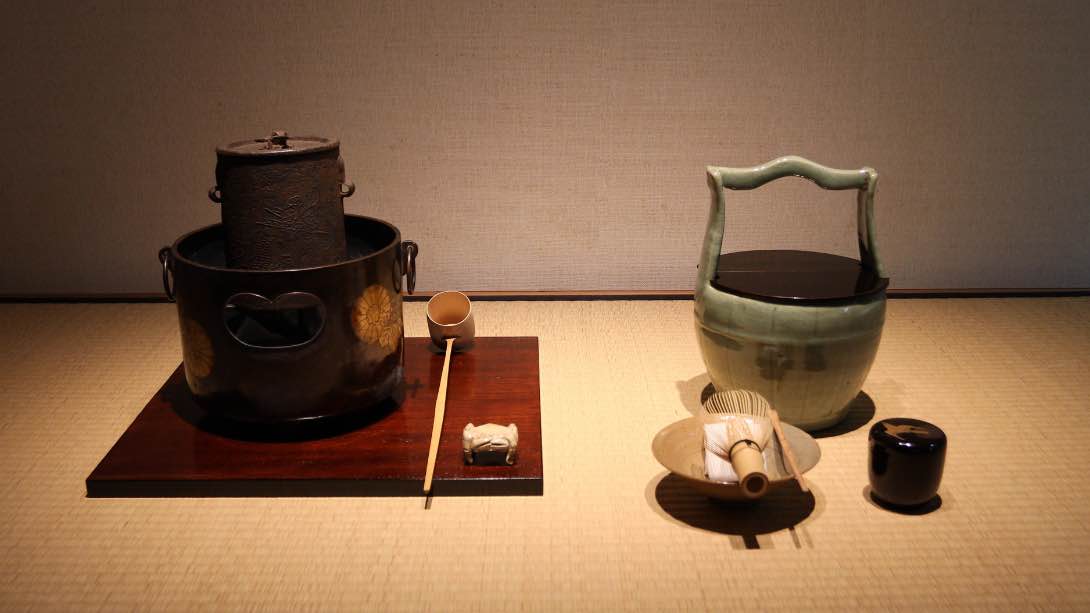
<point x="747" y="429"/>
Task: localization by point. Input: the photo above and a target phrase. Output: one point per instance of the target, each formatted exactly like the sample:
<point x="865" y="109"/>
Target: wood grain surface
<point x="175" y="449"/>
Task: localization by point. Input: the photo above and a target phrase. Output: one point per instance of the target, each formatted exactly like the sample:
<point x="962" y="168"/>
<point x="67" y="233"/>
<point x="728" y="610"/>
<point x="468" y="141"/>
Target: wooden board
<point x="174" y="449"/>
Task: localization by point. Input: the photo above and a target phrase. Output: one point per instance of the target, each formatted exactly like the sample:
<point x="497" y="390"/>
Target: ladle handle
<point x="722" y="178"/>
<point x="437" y="422"/>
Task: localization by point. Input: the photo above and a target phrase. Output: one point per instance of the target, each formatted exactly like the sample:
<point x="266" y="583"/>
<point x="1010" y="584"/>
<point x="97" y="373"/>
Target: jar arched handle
<point x="865" y="180"/>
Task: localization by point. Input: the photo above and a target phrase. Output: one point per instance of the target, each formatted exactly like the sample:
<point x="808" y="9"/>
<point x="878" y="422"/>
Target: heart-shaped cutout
<point x="290" y="320"/>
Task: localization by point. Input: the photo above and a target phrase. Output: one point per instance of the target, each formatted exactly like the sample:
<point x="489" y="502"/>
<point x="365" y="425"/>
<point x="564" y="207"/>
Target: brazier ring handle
<point x="168" y="272"/>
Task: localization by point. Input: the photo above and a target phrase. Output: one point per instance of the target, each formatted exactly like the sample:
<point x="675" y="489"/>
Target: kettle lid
<point x="278" y="144"/>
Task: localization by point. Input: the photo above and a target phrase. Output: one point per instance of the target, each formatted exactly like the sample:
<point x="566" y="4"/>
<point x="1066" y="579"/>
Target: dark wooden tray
<point x="173" y="449"/>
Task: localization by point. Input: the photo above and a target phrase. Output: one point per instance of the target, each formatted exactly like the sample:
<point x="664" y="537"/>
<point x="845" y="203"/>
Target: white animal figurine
<point x="490" y="441"/>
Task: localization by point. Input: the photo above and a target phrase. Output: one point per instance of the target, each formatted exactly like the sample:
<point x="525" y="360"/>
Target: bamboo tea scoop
<point x="450" y="324"/>
<point x="785" y="449"/>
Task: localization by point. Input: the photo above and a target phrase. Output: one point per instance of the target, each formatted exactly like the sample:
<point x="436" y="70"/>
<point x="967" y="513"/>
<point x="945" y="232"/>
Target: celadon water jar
<point x="809" y="358"/>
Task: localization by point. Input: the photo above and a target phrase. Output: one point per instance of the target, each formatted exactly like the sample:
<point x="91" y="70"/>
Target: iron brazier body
<point x="298" y="344"/>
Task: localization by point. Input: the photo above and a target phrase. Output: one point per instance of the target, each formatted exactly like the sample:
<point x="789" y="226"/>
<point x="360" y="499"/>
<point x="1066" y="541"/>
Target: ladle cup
<point x="450" y="316"/>
<point x="450" y="323"/>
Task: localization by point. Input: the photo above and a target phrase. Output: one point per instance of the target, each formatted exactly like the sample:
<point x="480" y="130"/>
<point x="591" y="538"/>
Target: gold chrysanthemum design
<point x="196" y="349"/>
<point x="375" y="319"/>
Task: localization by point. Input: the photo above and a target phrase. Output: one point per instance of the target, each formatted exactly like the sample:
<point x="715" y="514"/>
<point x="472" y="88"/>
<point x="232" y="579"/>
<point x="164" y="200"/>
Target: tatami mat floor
<point x="1007" y="379"/>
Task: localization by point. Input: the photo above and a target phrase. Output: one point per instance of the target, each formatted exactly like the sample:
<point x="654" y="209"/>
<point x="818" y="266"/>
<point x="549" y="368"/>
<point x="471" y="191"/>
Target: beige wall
<point x="531" y="146"/>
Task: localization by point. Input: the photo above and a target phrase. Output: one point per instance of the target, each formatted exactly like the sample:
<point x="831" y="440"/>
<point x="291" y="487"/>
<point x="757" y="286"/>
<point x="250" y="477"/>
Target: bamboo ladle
<point x="450" y="324"/>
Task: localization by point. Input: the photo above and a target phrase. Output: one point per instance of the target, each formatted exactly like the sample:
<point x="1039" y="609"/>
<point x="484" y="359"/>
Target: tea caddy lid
<point x="908" y="435"/>
<point x="278" y="144"/>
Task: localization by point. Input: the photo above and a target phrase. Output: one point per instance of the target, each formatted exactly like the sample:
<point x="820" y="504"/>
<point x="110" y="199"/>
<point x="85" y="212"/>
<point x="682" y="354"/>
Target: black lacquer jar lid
<point x="796" y="277"/>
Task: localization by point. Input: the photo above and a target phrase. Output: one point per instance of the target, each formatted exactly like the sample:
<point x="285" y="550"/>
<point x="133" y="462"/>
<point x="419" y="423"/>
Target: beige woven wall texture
<point x="543" y="146"/>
